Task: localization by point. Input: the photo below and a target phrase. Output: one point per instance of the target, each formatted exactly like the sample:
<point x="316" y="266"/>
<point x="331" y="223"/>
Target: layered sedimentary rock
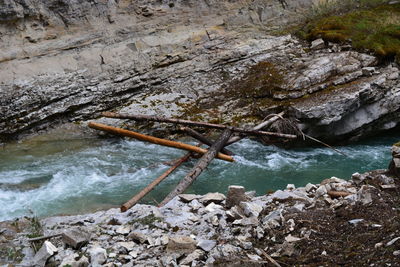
<point x="68" y="60"/>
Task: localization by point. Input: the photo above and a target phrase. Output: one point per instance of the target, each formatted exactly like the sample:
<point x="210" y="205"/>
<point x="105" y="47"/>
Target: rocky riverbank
<point x="354" y="223"/>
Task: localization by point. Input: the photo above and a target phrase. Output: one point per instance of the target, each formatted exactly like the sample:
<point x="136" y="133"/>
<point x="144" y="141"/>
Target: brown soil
<point x="334" y="241"/>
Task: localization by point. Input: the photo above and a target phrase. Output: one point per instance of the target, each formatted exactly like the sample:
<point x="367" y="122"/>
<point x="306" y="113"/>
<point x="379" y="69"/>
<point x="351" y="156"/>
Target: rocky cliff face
<point x="67" y="60"/>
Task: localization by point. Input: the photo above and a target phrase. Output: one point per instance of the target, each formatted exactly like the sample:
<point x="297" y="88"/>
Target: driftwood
<point x="154" y="140"/>
<point x="195" y="134"/>
<point x="260" y="126"/>
<point x="328" y="146"/>
<point x="43" y="237"/>
<point x="274" y="262"/>
<point x="151" y="186"/>
<point x="337" y="194"/>
<point x="195" y="123"/>
<point x="199" y="167"/>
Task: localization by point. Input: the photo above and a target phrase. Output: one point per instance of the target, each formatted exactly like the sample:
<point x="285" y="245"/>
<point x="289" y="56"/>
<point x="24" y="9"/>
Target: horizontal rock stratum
<point x="64" y="61"/>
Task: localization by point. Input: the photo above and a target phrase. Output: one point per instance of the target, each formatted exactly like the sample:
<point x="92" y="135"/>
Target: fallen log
<point x="195" y="134"/>
<point x="126" y="206"/>
<point x="195" y="123"/>
<point x="337" y="194"/>
<point x="44" y="237"/>
<point x="154" y="140"/>
<point x="199" y="167"/>
<point x="260" y="126"/>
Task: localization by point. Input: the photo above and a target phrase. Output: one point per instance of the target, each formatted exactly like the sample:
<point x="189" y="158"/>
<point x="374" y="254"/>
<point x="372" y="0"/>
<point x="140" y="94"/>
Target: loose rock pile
<point x="211" y="229"/>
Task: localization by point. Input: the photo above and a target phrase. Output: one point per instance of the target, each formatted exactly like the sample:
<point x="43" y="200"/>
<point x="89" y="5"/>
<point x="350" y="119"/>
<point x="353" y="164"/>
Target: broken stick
<point x="199" y="167"/>
<point x="260" y="126"/>
<point x="195" y="123"/>
<point x="154" y="140"/>
<point x="195" y="134"/>
<point x="151" y="186"/>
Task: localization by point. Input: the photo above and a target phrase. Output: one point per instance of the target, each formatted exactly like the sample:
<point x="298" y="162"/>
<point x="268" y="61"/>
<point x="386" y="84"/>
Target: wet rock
<point x="98" y="255"/>
<point x="45" y="252"/>
<point x="212" y="197"/>
<point x="207" y="245"/>
<point x="75" y="238"/>
<point x="235" y="195"/>
<point x="396" y="253"/>
<point x="184" y="244"/>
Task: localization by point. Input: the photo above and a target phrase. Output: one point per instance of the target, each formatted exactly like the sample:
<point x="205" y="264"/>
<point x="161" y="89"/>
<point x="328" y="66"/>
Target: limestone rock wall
<point x="65" y="60"/>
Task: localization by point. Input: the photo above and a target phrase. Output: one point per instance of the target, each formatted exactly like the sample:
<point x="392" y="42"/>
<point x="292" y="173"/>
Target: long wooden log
<point x="260" y="126"/>
<point x="337" y="194"/>
<point x="130" y="203"/>
<point x="199" y="167"/>
<point x="44" y="237"/>
<point x="195" y="123"/>
<point x="154" y="140"/>
<point x="195" y="134"/>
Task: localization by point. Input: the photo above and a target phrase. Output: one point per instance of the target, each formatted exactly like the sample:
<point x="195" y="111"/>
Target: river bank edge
<point x="354" y="222"/>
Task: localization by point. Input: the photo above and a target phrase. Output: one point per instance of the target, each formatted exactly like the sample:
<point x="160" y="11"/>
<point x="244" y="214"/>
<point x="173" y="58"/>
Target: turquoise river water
<point x="45" y="178"/>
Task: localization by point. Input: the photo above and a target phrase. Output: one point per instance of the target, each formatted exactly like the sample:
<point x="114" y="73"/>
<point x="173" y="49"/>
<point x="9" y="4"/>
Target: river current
<point x="43" y="178"/>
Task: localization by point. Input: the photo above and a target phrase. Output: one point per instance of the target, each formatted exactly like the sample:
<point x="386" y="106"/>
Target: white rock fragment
<point x="251" y="209"/>
<point x="186" y="198"/>
<point x="317" y="44"/>
<point x="309" y="187"/>
<point x="291" y="239"/>
<point x="207" y="245"/>
<point x="98" y="256"/>
<point x="212" y="197"/>
<point x="123" y="230"/>
<point x="254" y="257"/>
<point x="391" y="242"/>
<point x="290" y="187"/>
<point x="45" y="252"/>
<point x="320" y="191"/>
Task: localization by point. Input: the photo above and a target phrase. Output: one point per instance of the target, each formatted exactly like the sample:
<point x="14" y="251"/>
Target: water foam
<point x="108" y="172"/>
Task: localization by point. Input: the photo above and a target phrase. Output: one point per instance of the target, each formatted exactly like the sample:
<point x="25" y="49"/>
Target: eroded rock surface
<point x="66" y="61"/>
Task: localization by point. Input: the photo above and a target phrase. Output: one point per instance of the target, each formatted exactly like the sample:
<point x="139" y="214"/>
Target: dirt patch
<point x="350" y="235"/>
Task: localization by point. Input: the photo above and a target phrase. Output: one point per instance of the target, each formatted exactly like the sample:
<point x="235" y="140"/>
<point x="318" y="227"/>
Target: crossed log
<point x="208" y="155"/>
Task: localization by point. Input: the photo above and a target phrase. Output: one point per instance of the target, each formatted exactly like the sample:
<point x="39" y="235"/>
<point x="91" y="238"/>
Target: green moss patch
<point x="376" y="30"/>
